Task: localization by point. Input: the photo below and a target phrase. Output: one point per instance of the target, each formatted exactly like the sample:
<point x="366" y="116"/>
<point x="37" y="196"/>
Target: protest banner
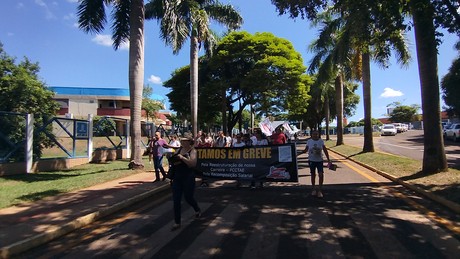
<point x="277" y="163"/>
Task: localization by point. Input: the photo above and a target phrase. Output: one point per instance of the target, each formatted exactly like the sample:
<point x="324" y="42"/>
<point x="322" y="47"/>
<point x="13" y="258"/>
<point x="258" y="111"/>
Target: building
<point x="78" y="102"/>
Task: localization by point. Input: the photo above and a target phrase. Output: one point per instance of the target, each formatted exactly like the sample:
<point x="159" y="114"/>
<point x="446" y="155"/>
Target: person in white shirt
<point x="315" y="146"/>
<point x="238" y="141"/>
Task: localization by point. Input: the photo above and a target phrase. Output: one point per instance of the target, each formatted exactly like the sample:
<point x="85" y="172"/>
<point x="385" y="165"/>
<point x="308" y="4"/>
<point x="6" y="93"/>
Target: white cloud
<point x="72" y="1"/>
<point x="19" y="5"/>
<point x="49" y="14"/>
<point x="155" y="80"/>
<point x="389" y="92"/>
<point x="70" y="16"/>
<point x="106" y="40"/>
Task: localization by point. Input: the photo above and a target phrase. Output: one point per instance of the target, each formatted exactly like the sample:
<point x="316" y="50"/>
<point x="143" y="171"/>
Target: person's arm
<point x="326" y="153"/>
<point x="166" y="145"/>
<point x="190" y="161"/>
<point x="306" y="148"/>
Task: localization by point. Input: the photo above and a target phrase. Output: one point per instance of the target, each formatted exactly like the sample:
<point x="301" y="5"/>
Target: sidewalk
<point x="29" y="225"/>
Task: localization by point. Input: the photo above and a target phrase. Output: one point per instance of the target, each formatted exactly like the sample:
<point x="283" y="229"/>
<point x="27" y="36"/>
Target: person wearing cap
<point x="183" y="179"/>
<point x="157" y="153"/>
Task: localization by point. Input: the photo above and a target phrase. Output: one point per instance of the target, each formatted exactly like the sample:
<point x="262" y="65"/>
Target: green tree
<point x="148" y="105"/>
<point x="261" y="70"/>
<point x="374" y="122"/>
<point x="449" y="85"/>
<point x="179" y="96"/>
<point x="190" y="19"/>
<point x="404" y="113"/>
<point x="128" y="25"/>
<point x="23" y="92"/>
<point x="371" y="29"/>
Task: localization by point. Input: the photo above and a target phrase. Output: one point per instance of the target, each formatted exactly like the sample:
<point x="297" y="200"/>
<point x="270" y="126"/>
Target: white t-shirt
<point x="315" y="150"/>
<point x="236" y="144"/>
<point x="262" y="142"/>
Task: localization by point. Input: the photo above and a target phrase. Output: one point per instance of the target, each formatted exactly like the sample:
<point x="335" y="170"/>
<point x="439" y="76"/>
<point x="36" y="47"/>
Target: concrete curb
<point x="448" y="204"/>
<point x="57" y="231"/>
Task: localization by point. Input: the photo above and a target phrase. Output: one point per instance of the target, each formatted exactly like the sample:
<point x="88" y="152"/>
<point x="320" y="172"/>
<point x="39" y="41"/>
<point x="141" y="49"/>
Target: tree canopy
<point x="259" y="70"/>
<point x="404" y="113"/>
<point x="23" y="92"/>
<point x="450" y="86"/>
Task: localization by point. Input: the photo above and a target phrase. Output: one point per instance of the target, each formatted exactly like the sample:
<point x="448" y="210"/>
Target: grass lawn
<point x="444" y="184"/>
<point x="16" y="189"/>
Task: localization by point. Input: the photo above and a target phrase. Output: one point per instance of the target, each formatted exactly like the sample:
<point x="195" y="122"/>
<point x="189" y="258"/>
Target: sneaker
<point x="175" y="227"/>
<point x="320" y="194"/>
<point x="253" y="187"/>
<point x="313" y="193"/>
<point x="198" y="214"/>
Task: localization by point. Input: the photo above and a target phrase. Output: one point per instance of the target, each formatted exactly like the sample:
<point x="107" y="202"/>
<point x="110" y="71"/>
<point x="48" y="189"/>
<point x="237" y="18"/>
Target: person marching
<point x="183" y="179"/>
<point x="315" y="146"/>
<point x="157" y="153"/>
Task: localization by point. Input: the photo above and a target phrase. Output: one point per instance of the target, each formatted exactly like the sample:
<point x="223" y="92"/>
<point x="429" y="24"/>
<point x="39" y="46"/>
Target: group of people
<point x="182" y="157"/>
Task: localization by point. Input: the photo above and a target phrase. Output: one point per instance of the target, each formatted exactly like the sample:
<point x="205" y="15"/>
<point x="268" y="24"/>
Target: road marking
<point x="428" y="213"/>
<point x="412" y="148"/>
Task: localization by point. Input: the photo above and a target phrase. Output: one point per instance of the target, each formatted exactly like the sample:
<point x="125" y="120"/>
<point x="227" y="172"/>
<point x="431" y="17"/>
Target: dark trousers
<point x="183" y="185"/>
<point x="158" y="165"/>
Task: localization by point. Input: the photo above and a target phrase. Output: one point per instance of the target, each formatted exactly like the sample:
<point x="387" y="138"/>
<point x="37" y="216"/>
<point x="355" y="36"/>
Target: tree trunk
<point x="327" y="114"/>
<point x="224" y="110"/>
<point x="434" y="156"/>
<point x="136" y="80"/>
<point x="194" y="83"/>
<point x="368" y="141"/>
<point x="339" y="108"/>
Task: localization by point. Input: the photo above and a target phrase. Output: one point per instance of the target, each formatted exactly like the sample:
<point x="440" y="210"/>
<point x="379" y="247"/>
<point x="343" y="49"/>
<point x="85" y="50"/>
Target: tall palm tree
<point x="434" y="156"/>
<point x="330" y="62"/>
<point x="190" y="19"/>
<point x="361" y="38"/>
<point x="128" y="25"/>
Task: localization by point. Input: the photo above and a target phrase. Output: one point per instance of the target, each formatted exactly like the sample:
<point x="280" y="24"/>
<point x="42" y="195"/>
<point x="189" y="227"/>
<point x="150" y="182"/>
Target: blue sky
<point x="45" y="31"/>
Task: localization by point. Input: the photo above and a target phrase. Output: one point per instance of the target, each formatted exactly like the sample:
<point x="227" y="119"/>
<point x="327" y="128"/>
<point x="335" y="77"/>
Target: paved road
<point x="361" y="216"/>
<point x="408" y="144"/>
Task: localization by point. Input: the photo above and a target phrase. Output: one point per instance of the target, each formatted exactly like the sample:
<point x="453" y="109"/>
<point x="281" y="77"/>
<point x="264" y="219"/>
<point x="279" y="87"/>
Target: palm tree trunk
<point x="224" y="110"/>
<point x="327" y="114"/>
<point x="194" y="83"/>
<point x="368" y="141"/>
<point x="136" y="79"/>
<point x="434" y="156"/>
<point x="339" y="108"/>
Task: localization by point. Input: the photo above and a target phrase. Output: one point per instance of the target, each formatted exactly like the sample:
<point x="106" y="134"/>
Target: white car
<point x="388" y="130"/>
<point x="453" y="132"/>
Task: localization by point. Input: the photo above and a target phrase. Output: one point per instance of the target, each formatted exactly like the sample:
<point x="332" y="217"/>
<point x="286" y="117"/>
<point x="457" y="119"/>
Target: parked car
<point x="388" y="130"/>
<point x="445" y="127"/>
<point x="399" y="127"/>
<point x="453" y="132"/>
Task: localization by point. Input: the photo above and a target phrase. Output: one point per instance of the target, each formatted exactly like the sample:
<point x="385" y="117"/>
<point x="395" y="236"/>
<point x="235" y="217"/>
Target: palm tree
<point x="128" y="24"/>
<point x="434" y="156"/>
<point x="330" y="63"/>
<point x="190" y="19"/>
<point x="360" y="38"/>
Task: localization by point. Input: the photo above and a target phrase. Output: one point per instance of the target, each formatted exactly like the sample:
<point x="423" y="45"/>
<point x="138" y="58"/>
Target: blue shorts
<point x="316" y="165"/>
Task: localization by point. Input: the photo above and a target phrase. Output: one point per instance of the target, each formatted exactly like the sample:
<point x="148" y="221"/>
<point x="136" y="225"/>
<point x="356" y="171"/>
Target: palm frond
<point x="121" y="25"/>
<point x="154" y="10"/>
<point x="226" y="15"/>
<point x="91" y="15"/>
